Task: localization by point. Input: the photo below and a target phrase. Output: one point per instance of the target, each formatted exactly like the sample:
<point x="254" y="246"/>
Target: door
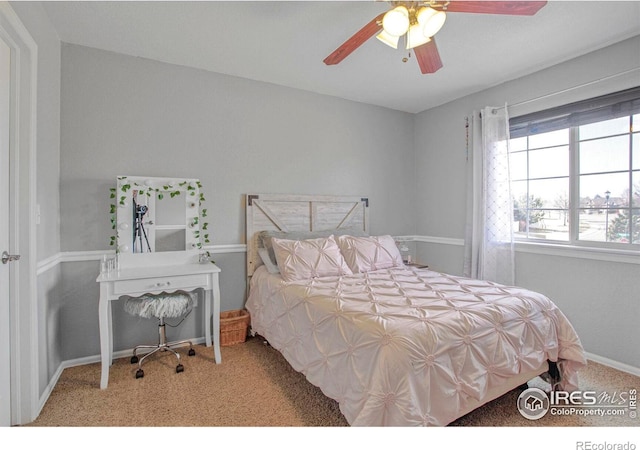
<point x="5" y="244"/>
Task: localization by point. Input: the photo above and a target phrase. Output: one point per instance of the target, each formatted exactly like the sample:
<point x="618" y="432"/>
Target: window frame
<point x="571" y="117"/>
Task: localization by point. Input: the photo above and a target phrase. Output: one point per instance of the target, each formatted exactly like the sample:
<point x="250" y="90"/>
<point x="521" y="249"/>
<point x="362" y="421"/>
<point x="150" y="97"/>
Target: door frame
<point x="25" y="367"/>
<point x="5" y="239"/>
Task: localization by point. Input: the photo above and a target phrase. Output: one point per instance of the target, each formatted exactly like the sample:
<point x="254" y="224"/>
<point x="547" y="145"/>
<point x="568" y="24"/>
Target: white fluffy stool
<point x="161" y="306"/>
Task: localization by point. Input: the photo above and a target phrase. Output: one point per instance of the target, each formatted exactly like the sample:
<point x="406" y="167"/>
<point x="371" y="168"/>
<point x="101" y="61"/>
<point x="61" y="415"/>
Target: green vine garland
<point x="148" y="191"/>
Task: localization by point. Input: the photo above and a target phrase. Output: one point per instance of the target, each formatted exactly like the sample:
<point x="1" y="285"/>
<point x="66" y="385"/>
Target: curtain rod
<point x="589" y="83"/>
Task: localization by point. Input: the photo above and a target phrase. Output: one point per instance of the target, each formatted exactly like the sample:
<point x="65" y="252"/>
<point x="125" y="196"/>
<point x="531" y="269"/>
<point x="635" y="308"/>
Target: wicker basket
<point x="233" y="327"/>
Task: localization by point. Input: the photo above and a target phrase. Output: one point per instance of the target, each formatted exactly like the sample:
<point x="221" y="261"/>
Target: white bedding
<point x="406" y="346"/>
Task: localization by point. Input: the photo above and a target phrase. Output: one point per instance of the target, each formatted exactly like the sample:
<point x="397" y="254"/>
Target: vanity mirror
<point x="152" y="214"/>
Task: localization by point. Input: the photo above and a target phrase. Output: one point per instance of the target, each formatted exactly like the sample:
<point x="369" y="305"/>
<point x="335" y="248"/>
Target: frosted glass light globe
<point x="396" y="21"/>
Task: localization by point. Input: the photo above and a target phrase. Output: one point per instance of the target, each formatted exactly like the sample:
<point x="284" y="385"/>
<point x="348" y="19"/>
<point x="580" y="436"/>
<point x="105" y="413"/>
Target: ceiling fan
<point x="419" y="21"/>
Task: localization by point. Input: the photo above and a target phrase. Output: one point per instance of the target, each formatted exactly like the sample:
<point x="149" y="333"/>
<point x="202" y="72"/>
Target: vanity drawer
<point x="171" y="283"/>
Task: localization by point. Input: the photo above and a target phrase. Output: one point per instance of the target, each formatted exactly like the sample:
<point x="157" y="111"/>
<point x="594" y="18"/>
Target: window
<point x="575" y="172"/>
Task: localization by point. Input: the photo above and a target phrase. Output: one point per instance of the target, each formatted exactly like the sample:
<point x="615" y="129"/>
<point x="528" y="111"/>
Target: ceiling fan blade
<point x="428" y="57"/>
<point x="500" y="7"/>
<point x="355" y="41"/>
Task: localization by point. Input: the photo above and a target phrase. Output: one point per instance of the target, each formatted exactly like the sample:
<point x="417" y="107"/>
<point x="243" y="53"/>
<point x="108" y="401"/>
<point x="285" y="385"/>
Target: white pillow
<point x="309" y="258"/>
<point x="364" y="254"/>
<point x="266" y="260"/>
<point x="264" y="239"/>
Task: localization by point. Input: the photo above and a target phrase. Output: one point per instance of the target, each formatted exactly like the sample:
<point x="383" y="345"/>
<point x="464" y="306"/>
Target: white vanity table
<point x="151" y="272"/>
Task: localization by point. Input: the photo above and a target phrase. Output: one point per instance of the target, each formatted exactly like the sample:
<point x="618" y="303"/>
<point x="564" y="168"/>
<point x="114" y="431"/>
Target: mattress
<point x="407" y="346"/>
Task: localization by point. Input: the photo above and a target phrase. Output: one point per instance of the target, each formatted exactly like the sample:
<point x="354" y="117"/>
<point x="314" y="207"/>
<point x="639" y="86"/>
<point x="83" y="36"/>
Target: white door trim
<point x="24" y="312"/>
<point x="5" y="239"/>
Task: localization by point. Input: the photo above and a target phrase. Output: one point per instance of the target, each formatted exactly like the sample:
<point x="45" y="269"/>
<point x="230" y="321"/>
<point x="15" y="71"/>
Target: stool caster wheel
<point x="192" y="352"/>
<point x="179" y="368"/>
<point x="134" y="359"/>
<point x="139" y="373"/>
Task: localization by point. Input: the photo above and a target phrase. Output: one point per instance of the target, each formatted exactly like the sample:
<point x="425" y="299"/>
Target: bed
<point x="394" y="345"/>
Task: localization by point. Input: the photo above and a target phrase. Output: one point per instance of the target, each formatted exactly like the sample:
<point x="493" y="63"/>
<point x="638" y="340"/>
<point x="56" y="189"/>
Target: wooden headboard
<point x="278" y="212"/>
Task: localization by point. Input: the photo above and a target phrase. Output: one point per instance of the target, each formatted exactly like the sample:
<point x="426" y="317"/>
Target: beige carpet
<point x="254" y="386"/>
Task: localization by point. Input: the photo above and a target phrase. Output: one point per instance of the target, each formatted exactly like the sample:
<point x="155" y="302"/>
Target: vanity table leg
<point x="208" y="300"/>
<point x="104" y="314"/>
<point x="215" y="292"/>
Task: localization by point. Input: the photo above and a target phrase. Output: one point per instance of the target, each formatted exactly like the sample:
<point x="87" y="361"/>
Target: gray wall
<point x="36" y="21"/>
<point x="123" y="115"/>
<point x="131" y="116"/>
<point x="599" y="297"/>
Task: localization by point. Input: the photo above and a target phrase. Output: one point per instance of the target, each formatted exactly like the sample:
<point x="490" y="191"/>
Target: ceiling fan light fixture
<point x="431" y="20"/>
<point x="386" y="38"/>
<point x="415" y="37"/>
<point x="430" y="16"/>
<point x="396" y="21"/>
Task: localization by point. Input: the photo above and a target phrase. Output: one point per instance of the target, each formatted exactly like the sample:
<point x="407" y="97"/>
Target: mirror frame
<point x="155" y="188"/>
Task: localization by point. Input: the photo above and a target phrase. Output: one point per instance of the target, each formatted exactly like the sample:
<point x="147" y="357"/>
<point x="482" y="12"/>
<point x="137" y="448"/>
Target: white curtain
<point x="489" y="251"/>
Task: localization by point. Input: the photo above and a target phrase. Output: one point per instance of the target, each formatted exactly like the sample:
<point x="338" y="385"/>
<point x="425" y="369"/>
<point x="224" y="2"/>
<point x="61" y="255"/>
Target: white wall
<point x="601" y="298"/>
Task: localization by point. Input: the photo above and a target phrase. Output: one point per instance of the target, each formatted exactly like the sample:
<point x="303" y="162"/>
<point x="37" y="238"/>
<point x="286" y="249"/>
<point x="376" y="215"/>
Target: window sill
<point x="574" y="251"/>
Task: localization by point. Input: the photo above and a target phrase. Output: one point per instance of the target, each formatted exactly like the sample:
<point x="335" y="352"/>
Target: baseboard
<point x="49" y="389"/>
<point x="613" y="364"/>
<point x="116" y="355"/>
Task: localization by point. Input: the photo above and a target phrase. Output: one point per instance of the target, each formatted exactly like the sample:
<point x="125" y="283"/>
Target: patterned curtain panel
<point x="489" y="231"/>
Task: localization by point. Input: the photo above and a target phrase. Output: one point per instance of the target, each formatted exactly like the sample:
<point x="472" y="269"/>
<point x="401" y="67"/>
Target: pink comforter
<point x="408" y="346"/>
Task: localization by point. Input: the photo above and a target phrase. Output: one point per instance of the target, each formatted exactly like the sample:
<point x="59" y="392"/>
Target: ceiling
<point x="285" y="42"/>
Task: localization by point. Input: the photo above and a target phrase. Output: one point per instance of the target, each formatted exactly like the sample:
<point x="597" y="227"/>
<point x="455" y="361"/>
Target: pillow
<point x="266" y="260"/>
<point x="364" y="254"/>
<point x="310" y="258"/>
<point x="264" y="238"/>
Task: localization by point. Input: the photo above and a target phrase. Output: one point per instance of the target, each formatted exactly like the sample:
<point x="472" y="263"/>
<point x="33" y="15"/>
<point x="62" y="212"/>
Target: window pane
<point x="518" y="144"/>
<point x="594" y="188"/>
<point x="635" y="196"/>
<point x="549" y="162"/>
<point x="619" y="226"/>
<point x="546" y="224"/>
<point x="636" y="151"/>
<point x="549" y="193"/>
<point x="519" y="190"/>
<point x="551" y="139"/>
<point x="554" y="225"/>
<point x="604" y="155"/>
<point x="594" y="223"/>
<point x="636" y="122"/>
<point x="606" y="128"/>
<point x="635" y="226"/>
<point x="518" y="165"/>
